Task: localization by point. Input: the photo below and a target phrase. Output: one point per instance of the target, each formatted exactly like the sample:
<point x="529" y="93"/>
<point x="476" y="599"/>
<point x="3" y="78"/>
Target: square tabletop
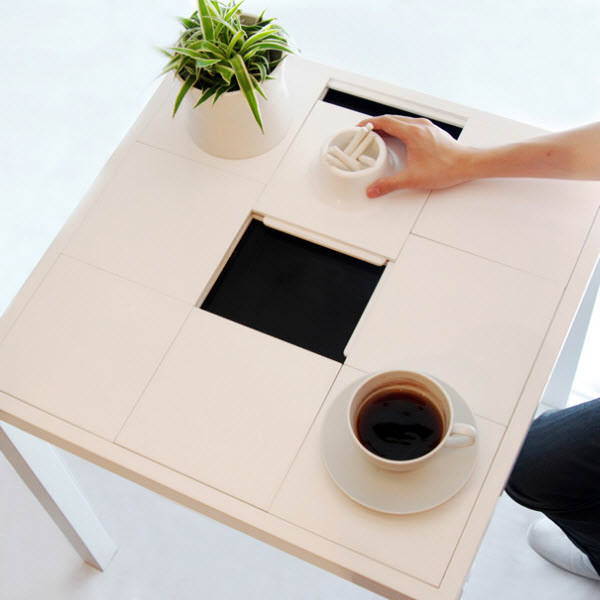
<point x="108" y="352"/>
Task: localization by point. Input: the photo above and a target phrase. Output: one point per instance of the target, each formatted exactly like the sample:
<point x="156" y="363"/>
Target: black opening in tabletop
<point x="292" y="289"/>
<point x="374" y="109"/>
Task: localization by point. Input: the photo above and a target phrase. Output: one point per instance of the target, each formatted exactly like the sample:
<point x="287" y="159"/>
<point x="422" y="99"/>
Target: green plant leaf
<point x="232" y="11"/>
<point x="259" y="58"/>
<point x="263" y="47"/>
<point x="207" y="94"/>
<point x="191" y="36"/>
<point x="265" y="32"/>
<point x="208" y="48"/>
<point x="220" y="21"/>
<point x="165" y="52"/>
<point x="202" y="63"/>
<point x="257" y="87"/>
<point x="244" y="81"/>
<point x="234" y="40"/>
<point x="172" y="65"/>
<point x="187" y="23"/>
<point x="272" y="46"/>
<point x="219" y="93"/>
<point x="225" y="72"/>
<point x="206" y="21"/>
<point x="262" y="70"/>
<point x="186" y="52"/>
<point x="167" y="70"/>
<point x="185" y="88"/>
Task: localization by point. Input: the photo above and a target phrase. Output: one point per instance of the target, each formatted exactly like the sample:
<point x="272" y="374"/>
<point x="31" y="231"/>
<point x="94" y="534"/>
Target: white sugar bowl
<point x="355" y="157"/>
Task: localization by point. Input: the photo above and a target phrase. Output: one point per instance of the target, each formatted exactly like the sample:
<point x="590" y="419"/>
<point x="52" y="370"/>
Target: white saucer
<point x="385" y="491"/>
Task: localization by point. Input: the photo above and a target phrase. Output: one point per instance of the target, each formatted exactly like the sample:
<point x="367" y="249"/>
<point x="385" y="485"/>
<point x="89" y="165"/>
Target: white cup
<point x="346" y="179"/>
<point x="386" y="385"/>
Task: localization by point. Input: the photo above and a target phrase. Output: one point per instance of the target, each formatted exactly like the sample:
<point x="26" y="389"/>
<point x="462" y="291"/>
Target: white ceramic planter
<point x="228" y="129"/>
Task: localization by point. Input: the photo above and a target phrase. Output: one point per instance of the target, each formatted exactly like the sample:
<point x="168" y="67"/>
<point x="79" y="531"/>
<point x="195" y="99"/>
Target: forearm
<point x="573" y="154"/>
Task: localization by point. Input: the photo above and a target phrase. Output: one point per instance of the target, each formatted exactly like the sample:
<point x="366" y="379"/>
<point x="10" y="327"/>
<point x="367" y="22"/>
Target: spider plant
<point x="222" y="50"/>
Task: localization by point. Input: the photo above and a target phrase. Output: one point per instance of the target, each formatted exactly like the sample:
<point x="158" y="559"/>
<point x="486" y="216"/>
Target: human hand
<point x="434" y="159"/>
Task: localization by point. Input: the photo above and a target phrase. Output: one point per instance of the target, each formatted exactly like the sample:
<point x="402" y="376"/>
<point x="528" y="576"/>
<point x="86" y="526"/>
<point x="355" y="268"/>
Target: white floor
<point x="75" y="75"/>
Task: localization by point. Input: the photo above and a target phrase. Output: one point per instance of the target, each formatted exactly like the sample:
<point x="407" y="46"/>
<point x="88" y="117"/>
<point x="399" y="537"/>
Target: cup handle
<point x="461" y="435"/>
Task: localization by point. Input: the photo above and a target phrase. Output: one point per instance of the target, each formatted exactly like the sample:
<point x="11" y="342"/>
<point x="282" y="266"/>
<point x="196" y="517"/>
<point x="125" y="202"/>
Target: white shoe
<point x="550" y="542"/>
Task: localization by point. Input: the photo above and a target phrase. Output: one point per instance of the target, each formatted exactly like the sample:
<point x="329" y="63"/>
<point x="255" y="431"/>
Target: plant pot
<point x="227" y="128"/>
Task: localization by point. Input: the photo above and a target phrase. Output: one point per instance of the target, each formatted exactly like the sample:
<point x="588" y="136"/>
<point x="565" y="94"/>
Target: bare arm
<point x="435" y="160"/>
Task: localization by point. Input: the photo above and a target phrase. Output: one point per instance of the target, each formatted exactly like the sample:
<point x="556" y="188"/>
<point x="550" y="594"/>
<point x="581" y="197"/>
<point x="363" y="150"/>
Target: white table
<point x="105" y="353"/>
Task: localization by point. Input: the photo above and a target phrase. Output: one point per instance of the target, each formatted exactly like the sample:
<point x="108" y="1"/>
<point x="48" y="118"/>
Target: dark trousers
<point x="558" y="473"/>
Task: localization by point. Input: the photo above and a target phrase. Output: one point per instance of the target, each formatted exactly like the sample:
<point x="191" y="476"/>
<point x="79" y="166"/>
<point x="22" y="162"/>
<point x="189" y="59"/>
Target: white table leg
<point x="46" y="476"/>
<point x="560" y="384"/>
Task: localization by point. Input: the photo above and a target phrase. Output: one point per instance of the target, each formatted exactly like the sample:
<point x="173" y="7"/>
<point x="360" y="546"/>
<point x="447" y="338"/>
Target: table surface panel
<point x="229" y="406"/>
<point x="474" y="323"/>
<point x="310" y="499"/>
<point x="150" y="223"/>
<point x="87" y="344"/>
<point x="301" y="193"/>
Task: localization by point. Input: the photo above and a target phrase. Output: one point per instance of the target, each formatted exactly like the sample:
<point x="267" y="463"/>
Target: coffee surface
<point x="399" y="425"/>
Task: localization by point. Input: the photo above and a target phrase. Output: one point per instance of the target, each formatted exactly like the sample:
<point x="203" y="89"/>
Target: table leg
<point x="560" y="383"/>
<point x="41" y="469"/>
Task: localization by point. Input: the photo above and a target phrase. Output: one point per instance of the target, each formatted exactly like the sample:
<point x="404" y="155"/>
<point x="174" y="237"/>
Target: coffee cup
<point x="400" y="419"/>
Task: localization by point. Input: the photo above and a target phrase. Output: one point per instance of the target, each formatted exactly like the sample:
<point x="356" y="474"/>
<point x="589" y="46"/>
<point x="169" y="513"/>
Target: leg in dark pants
<point x="558" y="473"/>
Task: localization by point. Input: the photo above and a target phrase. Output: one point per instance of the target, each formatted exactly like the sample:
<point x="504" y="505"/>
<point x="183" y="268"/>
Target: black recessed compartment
<point x="374" y="109"/>
<point x="294" y="290"/>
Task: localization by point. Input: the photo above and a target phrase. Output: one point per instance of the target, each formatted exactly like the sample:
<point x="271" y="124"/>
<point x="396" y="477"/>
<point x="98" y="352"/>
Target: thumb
<point x="387" y="184"/>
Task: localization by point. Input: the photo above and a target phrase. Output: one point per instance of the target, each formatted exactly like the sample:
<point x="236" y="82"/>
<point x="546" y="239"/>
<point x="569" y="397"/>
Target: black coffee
<point x="399" y="425"/>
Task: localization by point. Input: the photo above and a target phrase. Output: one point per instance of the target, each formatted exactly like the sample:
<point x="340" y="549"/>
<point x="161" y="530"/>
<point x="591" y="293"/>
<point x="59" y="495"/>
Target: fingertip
<point x="373" y="191"/>
<point x="384" y="186"/>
